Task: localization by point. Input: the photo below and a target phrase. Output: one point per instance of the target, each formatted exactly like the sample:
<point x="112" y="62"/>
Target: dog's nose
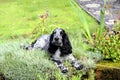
<point x="56" y="39"/>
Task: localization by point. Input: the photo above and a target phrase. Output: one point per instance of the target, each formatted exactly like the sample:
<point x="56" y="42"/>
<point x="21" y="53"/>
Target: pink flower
<point x="45" y="15"/>
<point x="41" y="16"/>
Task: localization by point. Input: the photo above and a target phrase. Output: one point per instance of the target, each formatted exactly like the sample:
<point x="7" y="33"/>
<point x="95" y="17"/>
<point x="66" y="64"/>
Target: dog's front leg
<point x="74" y="62"/>
<point x="60" y="65"/>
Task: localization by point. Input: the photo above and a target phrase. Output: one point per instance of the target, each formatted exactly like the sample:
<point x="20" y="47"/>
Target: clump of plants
<point x="19" y="64"/>
<point x="108" y="42"/>
<point x="104" y="41"/>
<point x="117" y="24"/>
<point x="40" y="29"/>
<point x="109" y="45"/>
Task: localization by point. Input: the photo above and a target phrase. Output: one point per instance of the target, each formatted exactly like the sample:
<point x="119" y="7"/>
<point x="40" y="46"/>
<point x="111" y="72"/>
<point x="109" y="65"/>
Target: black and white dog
<point x="59" y="47"/>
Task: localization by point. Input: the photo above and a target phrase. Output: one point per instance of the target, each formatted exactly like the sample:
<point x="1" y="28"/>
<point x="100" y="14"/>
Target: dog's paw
<point x="79" y="67"/>
<point x="64" y="69"/>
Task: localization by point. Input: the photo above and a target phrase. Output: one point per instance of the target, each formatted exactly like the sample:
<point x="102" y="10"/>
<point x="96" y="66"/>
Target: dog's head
<point x="57" y="37"/>
<point x="60" y="39"/>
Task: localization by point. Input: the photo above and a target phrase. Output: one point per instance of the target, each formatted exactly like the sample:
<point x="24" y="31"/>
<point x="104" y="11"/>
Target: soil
<point x="107" y="74"/>
<point x="2" y="77"/>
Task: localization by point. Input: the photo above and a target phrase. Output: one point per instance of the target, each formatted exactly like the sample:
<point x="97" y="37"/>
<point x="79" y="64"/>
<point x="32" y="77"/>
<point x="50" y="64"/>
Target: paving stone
<point x="98" y="12"/>
<point x="84" y="0"/>
<point x="109" y="17"/>
<point x="92" y="5"/>
<point x="110" y="22"/>
<point x="91" y="10"/>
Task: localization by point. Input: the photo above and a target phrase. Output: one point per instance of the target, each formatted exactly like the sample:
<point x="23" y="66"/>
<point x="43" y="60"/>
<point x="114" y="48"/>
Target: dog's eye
<point x="61" y="32"/>
<point x="54" y="32"/>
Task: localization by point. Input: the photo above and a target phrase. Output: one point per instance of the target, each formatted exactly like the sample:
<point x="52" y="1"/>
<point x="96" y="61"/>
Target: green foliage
<point x="21" y="17"/>
<point x="101" y="29"/>
<point x="20" y="64"/>
<point x="117" y="25"/>
<point x="86" y="31"/>
<point x="82" y="18"/>
<point x="110" y="47"/>
<point x="107" y="44"/>
<point x="41" y="28"/>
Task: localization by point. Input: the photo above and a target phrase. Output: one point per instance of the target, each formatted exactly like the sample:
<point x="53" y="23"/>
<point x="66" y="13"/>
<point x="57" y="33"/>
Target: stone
<point x="84" y="0"/>
<point x="107" y="12"/>
<point x="98" y="12"/>
<point x="110" y="22"/>
<point x="92" y="5"/>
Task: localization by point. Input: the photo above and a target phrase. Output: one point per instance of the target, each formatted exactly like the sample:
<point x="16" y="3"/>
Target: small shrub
<point x="18" y="64"/>
<point x="40" y="29"/>
<point x="110" y="47"/>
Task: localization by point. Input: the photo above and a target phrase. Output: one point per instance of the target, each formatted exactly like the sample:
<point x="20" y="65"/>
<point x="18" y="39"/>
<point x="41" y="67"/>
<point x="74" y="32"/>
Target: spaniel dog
<point x="59" y="47"/>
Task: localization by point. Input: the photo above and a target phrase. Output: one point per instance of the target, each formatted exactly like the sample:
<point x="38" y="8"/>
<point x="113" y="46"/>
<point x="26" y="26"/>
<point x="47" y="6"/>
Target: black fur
<point x="52" y="48"/>
<point x="66" y="48"/>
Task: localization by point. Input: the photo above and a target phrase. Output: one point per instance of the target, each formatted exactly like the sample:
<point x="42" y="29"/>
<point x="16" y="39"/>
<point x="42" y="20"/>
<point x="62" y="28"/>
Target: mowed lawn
<point x="19" y="17"/>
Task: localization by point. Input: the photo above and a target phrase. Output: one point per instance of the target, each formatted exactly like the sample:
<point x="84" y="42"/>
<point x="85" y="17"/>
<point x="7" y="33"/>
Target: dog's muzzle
<point x="57" y="42"/>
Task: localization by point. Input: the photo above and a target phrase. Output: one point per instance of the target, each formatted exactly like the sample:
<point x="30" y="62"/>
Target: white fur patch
<point x="42" y="42"/>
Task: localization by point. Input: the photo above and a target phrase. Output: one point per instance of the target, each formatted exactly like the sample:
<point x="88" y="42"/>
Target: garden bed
<point x="19" y="64"/>
<point x="106" y="70"/>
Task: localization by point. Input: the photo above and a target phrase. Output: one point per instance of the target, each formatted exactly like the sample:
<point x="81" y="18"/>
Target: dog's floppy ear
<point x="52" y="48"/>
<point x="66" y="48"/>
<point x="51" y="37"/>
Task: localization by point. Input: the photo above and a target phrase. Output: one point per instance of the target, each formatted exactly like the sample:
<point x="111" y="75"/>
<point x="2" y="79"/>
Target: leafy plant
<point x="107" y="42"/>
<point x="86" y="29"/>
<point x="19" y="64"/>
<point x="40" y="29"/>
<point x="110" y="47"/>
<point x="101" y="29"/>
<point x="117" y="25"/>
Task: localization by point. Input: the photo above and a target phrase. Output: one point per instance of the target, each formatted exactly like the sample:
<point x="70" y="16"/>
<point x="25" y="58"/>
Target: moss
<point x="107" y="65"/>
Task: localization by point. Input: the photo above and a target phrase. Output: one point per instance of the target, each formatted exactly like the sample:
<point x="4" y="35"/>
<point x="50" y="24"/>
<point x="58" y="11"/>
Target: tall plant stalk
<point x="102" y="21"/>
<point x="82" y="18"/>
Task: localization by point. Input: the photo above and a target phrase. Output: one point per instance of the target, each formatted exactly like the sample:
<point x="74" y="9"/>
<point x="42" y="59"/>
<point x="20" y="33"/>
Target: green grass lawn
<point x="21" y="17"/>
